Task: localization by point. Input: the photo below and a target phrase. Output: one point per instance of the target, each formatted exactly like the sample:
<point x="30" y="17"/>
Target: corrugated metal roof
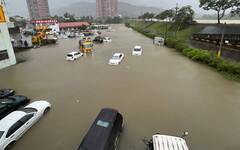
<point x="166" y="142"/>
<point x="219" y="30"/>
<point x="72" y="24"/>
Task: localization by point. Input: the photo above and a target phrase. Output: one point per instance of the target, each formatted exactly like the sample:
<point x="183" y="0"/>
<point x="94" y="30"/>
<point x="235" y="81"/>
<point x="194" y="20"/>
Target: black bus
<point x="105" y="132"/>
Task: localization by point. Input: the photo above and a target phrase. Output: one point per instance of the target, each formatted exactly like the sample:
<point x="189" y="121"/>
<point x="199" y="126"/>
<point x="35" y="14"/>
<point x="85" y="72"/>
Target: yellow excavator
<point x="41" y="38"/>
<point x="86" y="45"/>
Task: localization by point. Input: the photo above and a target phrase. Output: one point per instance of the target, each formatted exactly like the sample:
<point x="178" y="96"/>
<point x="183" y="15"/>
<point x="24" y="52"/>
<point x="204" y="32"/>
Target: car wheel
<point x="9" y="145"/>
<point x="46" y="110"/>
<point x="74" y="58"/>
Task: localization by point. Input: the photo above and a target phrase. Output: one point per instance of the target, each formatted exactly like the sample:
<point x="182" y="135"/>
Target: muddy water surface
<point x="160" y="91"/>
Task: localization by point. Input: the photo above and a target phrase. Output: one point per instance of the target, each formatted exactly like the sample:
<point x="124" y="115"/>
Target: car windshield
<point x="137" y="50"/>
<point x="104" y="124"/>
<point x="115" y="57"/>
<point x="5" y="101"/>
<point x="69" y="55"/>
<point x="29" y="110"/>
<point x="1" y="133"/>
<point x="87" y="46"/>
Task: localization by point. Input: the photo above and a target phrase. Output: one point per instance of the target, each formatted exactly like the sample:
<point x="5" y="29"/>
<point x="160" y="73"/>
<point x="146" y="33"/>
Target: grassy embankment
<point x="229" y="68"/>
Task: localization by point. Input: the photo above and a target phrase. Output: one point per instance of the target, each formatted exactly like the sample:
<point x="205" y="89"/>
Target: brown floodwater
<point x="161" y="91"/>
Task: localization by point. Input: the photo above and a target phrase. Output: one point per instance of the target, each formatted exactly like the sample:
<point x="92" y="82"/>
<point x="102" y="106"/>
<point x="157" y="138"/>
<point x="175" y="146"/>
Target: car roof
<point x="166" y="142"/>
<point x="10" y="119"/>
<point x="73" y="52"/>
<point x="37" y="104"/>
<point x="97" y="136"/>
<point x="117" y="54"/>
<point x="139" y="47"/>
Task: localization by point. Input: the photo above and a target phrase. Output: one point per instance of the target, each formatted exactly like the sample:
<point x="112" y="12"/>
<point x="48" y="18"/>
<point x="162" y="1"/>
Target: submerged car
<point x="116" y="59"/>
<point x="105" y="131"/>
<point x="14" y="125"/>
<point x="74" y="55"/>
<point x="98" y="40"/>
<point x="107" y="39"/>
<point x="11" y="103"/>
<point x="137" y="51"/>
<point x="166" y="142"/>
<point x="6" y="92"/>
<point x="100" y="37"/>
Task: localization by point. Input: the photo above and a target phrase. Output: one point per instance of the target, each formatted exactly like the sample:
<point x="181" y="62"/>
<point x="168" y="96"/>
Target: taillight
<point x="72" y="57"/>
<point x="28" y="99"/>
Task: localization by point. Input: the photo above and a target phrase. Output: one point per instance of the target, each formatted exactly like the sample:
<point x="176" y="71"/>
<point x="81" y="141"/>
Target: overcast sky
<point x="19" y="7"/>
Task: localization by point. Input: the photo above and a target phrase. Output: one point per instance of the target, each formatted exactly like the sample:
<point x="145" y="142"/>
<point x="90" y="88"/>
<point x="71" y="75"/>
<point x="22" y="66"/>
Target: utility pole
<point x="220" y="48"/>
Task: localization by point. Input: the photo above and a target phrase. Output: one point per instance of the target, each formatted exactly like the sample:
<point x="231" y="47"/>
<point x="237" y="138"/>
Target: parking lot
<point x="161" y="91"/>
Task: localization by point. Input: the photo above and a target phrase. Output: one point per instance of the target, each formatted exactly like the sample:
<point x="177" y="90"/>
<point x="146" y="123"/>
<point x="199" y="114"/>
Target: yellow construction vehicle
<point x="43" y="38"/>
<point x="86" y="45"/>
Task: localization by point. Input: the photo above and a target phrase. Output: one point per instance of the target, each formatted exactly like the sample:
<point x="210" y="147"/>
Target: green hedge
<point x="176" y="43"/>
<point x="229" y="67"/>
<point x="145" y="32"/>
<point x="128" y="24"/>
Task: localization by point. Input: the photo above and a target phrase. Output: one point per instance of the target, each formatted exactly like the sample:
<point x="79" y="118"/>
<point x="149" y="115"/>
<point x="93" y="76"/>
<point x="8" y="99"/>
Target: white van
<point x="158" y="41"/>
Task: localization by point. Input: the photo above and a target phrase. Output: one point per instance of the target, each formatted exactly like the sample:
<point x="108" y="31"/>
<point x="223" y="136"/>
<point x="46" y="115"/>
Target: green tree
<point x="83" y="27"/>
<point x="151" y="15"/>
<point x="66" y="15"/>
<point x="220" y="6"/>
<point x="114" y="20"/>
<point x="165" y="14"/>
<point x="183" y="17"/>
<point x="21" y="23"/>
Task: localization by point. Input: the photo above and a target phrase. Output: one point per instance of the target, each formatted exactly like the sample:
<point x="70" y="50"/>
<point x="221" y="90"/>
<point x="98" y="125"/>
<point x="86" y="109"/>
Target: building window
<point x="3" y="55"/>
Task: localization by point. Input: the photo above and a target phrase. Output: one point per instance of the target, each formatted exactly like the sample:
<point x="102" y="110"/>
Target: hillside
<point x="87" y="9"/>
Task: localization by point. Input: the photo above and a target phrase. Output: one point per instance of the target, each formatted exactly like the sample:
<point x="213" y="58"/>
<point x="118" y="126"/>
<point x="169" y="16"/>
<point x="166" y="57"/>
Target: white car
<point x="116" y="59"/>
<point x="107" y="39"/>
<point x="74" y="55"/>
<point x="137" y="51"/>
<point x="14" y="125"/>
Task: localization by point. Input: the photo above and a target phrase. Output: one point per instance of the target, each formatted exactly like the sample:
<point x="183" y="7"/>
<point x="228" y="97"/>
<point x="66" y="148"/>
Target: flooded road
<point x="161" y="91"/>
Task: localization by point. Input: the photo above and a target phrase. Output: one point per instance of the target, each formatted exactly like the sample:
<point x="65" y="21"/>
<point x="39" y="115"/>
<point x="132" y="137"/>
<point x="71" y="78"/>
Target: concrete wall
<point x="5" y="44"/>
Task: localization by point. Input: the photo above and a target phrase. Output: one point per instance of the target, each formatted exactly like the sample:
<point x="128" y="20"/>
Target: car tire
<point x="46" y="110"/>
<point x="9" y="145"/>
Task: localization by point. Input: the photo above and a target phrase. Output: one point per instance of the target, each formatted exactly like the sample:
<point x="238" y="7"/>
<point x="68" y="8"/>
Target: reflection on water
<point x="161" y="91"/>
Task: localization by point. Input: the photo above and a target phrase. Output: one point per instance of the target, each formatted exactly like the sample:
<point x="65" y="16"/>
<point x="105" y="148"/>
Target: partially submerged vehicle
<point x="85" y="45"/>
<point x="166" y="142"/>
<point x="137" y="51"/>
<point x="6" y="92"/>
<point x="158" y="41"/>
<point x="98" y="40"/>
<point x="107" y="39"/>
<point x="105" y="131"/>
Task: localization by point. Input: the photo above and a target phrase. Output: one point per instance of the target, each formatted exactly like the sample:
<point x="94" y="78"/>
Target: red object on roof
<point x="72" y="24"/>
